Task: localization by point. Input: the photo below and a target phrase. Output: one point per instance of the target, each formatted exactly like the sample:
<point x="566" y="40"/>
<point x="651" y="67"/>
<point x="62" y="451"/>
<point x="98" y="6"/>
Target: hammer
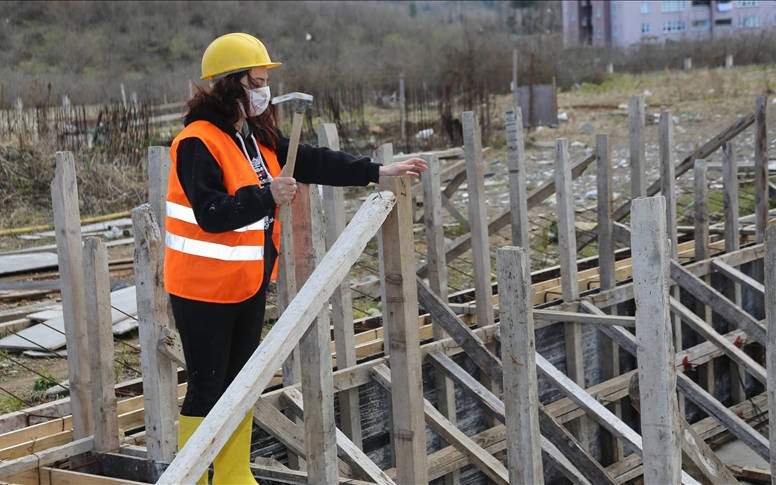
<point x="301" y="102"/>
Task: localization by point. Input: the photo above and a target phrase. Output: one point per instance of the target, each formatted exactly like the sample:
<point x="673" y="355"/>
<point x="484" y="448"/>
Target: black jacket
<point x="217" y="211"/>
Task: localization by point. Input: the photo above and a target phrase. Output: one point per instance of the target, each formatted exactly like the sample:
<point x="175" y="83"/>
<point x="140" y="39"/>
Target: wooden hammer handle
<point x="293" y="145"/>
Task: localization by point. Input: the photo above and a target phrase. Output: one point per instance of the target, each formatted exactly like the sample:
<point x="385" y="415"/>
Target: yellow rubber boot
<point x="186" y="427"/>
<point x="232" y="466"/>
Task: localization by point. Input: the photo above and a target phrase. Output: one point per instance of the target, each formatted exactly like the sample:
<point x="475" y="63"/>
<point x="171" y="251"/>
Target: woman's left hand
<point x="411" y="167"/>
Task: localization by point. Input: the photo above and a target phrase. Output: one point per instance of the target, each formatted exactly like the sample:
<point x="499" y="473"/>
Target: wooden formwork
<point x="671" y="284"/>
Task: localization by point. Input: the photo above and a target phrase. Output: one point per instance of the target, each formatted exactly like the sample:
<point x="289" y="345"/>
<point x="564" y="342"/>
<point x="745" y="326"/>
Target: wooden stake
<point x="521" y="398"/>
<point x="636" y="139"/>
<point x="478" y="218"/>
<point x="657" y="375"/>
<point x="402" y="111"/>
<point x="435" y="242"/>
<point x="702" y="252"/>
<point x="341" y="301"/>
<point x="770" y="316"/>
<point x="67" y="225"/>
<point x="400" y="314"/>
<point x="760" y="169"/>
<point x="160" y="377"/>
<point x="518" y="202"/>
<point x="515" y="97"/>
<point x="98" y="320"/>
<point x="159" y="163"/>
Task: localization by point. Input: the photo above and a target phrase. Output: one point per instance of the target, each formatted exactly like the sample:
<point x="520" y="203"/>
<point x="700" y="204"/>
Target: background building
<point x="620" y="23"/>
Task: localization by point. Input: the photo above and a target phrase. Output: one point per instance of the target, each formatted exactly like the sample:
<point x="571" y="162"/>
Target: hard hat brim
<point x="215" y="77"/>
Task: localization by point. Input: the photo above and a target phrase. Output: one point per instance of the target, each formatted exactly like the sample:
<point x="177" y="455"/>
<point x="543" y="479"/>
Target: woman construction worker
<point x="222" y="237"/>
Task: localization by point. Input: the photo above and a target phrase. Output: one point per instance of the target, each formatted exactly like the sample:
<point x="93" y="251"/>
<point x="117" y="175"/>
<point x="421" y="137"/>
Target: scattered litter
<point x="577" y="144"/>
<point x="591" y="194"/>
<point x="623" y="106"/>
<point x="424" y="134"/>
<point x="113" y="232"/>
<point x="565" y="117"/>
<point x="539" y="128"/>
<point x="586" y="128"/>
<point x="647" y="92"/>
<point x="495" y="162"/>
<point x="623" y="162"/>
<point x="680" y="129"/>
<point x="773" y="101"/>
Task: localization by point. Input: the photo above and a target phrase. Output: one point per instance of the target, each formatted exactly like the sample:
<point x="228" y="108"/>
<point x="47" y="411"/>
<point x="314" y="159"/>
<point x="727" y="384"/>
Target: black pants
<point x="218" y="339"/>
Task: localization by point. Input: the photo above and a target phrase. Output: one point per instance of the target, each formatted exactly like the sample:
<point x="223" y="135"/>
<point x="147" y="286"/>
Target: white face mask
<point x="259" y="100"/>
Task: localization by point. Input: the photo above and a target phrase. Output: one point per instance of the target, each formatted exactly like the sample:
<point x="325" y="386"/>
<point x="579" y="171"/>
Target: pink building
<point x="620" y="23"/>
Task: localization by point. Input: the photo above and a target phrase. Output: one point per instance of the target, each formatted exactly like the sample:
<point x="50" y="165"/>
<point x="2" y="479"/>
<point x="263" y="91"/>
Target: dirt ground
<point x="702" y="103"/>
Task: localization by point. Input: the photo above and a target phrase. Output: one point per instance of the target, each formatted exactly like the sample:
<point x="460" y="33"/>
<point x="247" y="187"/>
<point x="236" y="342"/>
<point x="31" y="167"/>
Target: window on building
<point x="749" y="21"/>
<point x="614" y="10"/>
<point x="614" y="32"/>
<point x="723" y="22"/>
<point x="725" y="6"/>
<point x="572" y="17"/>
<point x="598" y="32"/>
<point x="644" y="7"/>
<point x="701" y="3"/>
<point x="674" y="26"/>
<point x="748" y="3"/>
<point x="673" y="5"/>
<point x="598" y="12"/>
<point x="645" y="28"/>
<point x="704" y="24"/>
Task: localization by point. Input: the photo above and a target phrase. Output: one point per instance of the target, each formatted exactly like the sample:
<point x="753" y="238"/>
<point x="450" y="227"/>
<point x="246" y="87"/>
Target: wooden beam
<point x="400" y="313"/>
<point x="518" y="203"/>
<point x="347" y="449"/>
<point x="521" y="397"/>
<point x="561" y="316"/>
<point x="739" y="277"/>
<point x="717" y="301"/>
<point x="67" y="223"/>
<point x="657" y="375"/>
<point x="760" y="167"/>
<point x="76" y="447"/>
<point x="160" y="375"/>
<point x="341" y="301"/>
<point x="159" y="163"/>
<point x="98" y="321"/>
<point x="638" y="169"/>
<point x="240" y="396"/>
<point x="483" y="460"/>
<point x="708" y="332"/>
<point x="770" y="354"/>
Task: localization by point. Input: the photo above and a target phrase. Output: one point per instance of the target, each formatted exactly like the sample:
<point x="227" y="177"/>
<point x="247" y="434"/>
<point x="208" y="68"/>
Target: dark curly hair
<point x="224" y="99"/>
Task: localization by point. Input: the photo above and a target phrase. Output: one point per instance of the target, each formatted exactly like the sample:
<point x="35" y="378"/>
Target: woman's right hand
<point x="283" y="189"/>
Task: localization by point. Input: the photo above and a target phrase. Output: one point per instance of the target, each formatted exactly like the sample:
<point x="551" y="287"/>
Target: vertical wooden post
<point x="567" y="244"/>
<point x="515" y="97"/>
<point x="636" y="140"/>
<point x="728" y="61"/>
<point x="478" y="218"/>
<point x="732" y="243"/>
<point x="760" y="169"/>
<point x="160" y="378"/>
<point x="521" y="399"/>
<point x="668" y="190"/>
<point x="437" y="278"/>
<point x="98" y="322"/>
<point x="400" y="315"/>
<point x="67" y="225"/>
<point x="315" y="352"/>
<point x="687" y="63"/>
<point x="402" y="111"/>
<point x="341" y="300"/>
<point x="657" y="375"/>
<point x="124" y="96"/>
<point x="517" y="192"/>
<point x="159" y="163"/>
<point x="701" y="227"/>
<point x="611" y="448"/>
<point x="770" y="356"/>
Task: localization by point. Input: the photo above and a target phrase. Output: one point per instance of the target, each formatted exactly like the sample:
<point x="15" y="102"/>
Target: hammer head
<point x="301" y="100"/>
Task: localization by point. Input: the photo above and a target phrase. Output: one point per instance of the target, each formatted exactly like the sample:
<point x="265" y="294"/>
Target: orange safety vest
<point x="224" y="267"/>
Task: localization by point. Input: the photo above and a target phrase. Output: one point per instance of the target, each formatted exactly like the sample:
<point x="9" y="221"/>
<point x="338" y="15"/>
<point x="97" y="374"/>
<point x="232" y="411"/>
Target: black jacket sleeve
<point x="202" y="181"/>
<point x="323" y="166"/>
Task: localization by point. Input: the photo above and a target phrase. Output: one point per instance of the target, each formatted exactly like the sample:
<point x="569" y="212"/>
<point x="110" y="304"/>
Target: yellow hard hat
<point x="233" y="53"/>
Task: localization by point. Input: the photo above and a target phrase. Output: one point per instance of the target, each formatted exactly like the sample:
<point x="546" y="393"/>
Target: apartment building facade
<point x="620" y="23"/>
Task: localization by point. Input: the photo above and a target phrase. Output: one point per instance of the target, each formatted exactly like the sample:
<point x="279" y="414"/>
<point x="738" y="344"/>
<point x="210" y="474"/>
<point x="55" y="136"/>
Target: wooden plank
<point x="211" y="435"/>
<point x="160" y="375"/>
<point x="437" y="277"/>
<point x="638" y="168"/>
<point x="701" y="238"/>
<point x="57" y="476"/>
<point x="518" y="204"/>
<point x="46" y="457"/>
<point x="483" y="460"/>
<point x="170" y="345"/>
<point x="770" y="319"/>
<point x="285" y="475"/>
<point x="703" y="152"/>
<point x="346" y="447"/>
<point x="559" y="448"/>
<point x="105" y="427"/>
<point x="400" y="310"/>
<point x="729" y="419"/>
<point x="64" y="196"/>
<point x="159" y="163"/>
<point x="657" y="375"/>
<point x="739" y="277"/>
<point x="721" y="305"/>
<point x="478" y="218"/>
<point x="315" y="353"/>
<point x="341" y="300"/>
<point x="760" y="167"/>
<point x="706" y="330"/>
<point x="561" y="316"/>
<point x="518" y="342"/>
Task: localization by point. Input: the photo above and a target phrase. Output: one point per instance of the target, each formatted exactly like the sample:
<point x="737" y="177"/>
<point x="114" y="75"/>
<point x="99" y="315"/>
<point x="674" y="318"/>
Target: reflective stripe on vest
<point x="214" y="250"/>
<point x="186" y="214"/>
